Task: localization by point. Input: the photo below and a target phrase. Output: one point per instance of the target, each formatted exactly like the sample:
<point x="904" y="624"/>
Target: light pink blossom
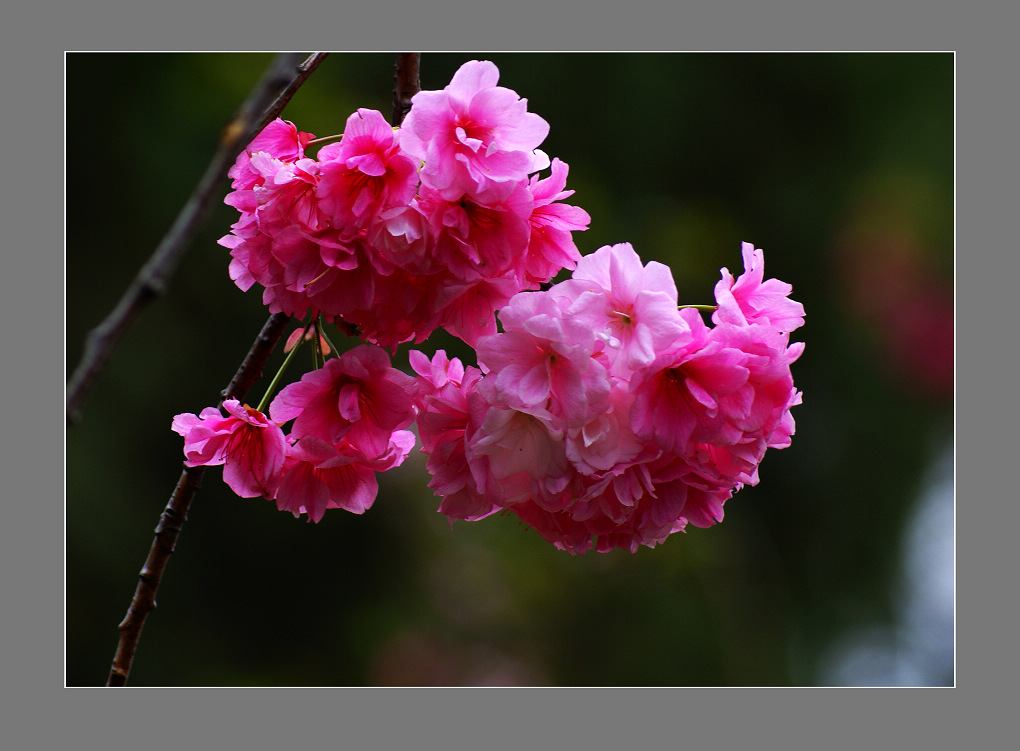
<point x="545" y="361"/>
<point x="515" y="456"/>
<point x="474" y="137"/>
<point x="606" y="443"/>
<point x="752" y="299"/>
<point x="633" y="308"/>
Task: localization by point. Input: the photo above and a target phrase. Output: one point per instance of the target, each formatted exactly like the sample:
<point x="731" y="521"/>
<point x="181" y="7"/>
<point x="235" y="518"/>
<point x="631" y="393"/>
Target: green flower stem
<point x="279" y="374"/>
<point x="329" y="341"/>
<point x="324" y="139"/>
<point x="707" y="308"/>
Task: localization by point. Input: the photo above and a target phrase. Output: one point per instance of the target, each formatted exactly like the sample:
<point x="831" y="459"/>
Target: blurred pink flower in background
<point x="890" y="280"/>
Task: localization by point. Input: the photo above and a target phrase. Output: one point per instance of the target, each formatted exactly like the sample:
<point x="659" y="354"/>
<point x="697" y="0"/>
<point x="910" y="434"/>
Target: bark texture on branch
<point x="176" y="511"/>
<point x="407" y="84"/>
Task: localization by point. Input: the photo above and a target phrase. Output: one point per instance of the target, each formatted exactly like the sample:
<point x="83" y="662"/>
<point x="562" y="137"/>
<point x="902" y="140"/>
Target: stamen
<point x="309" y="284"/>
<point x="324" y="139"/>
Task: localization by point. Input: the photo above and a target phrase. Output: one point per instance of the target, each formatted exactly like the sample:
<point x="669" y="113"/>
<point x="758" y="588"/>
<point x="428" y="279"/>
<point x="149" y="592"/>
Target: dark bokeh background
<point x="839" y="165"/>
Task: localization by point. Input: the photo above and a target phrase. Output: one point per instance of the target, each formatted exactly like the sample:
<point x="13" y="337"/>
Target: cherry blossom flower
<point x="748" y="299"/>
<point x="551" y="246"/>
<point x="250" y="447"/>
<point x="544" y="361"/>
<point x="365" y="173"/>
<point x="318" y="476"/>
<point x="475" y="238"/>
<point x="399" y="232"/>
<point x="279" y="139"/>
<point x="358" y="397"/>
<point x="602" y="416"/>
<point x="516" y="456"/>
<point x="286" y="197"/>
<point x="474" y="137"/>
<point x="443" y="417"/>
<point x="632" y="307"/>
<point x="467" y="309"/>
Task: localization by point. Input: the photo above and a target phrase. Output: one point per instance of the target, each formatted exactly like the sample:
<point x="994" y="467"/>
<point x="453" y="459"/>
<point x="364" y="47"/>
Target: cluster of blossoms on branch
<point x="605" y="415"/>
<point x="348" y="424"/>
<point x="399" y="232"/>
<point x="601" y="412"/>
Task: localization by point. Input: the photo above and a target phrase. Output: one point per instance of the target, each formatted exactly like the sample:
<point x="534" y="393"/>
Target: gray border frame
<point x="497" y="718"/>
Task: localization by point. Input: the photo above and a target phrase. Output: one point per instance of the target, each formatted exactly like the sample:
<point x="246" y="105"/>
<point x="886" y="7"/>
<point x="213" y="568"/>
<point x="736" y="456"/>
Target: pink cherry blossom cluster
<point x="348" y="424"/>
<point x="601" y="412"/>
<point x="401" y="231"/>
<point x="606" y="415"/>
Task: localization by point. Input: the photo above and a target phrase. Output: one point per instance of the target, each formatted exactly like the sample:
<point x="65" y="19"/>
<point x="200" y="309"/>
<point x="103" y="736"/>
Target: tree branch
<point x="407" y="84"/>
<point x="150" y="282"/>
<point x="283" y="77"/>
<point x="176" y="511"/>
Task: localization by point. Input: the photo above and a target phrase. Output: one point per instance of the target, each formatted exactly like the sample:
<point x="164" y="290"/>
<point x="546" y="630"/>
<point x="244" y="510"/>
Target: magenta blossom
<point x="476" y="239"/>
<point x="677" y="398"/>
<point x="286" y="196"/>
<point x="551" y="246"/>
<point x="250" y="447"/>
<point x="365" y="173"/>
<point x="468" y="309"/>
<point x="318" y="476"/>
<point x="358" y="397"/>
<point x="281" y="140"/>
<point x="400" y="232"/>
<point x="443" y="416"/>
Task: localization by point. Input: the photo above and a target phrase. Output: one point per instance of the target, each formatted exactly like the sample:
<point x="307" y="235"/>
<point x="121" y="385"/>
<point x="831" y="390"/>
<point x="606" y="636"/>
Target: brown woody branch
<point x="407" y="84"/>
<point x="174" y="515"/>
<point x="176" y="511"/>
<point x="284" y="76"/>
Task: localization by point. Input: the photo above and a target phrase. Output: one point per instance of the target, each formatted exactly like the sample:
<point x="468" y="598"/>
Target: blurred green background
<point x="836" y="569"/>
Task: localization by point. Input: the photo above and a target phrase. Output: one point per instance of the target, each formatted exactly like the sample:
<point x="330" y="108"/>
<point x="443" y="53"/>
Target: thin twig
<point x="408" y="84"/>
<point x="176" y="511"/>
<point x="264" y="103"/>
